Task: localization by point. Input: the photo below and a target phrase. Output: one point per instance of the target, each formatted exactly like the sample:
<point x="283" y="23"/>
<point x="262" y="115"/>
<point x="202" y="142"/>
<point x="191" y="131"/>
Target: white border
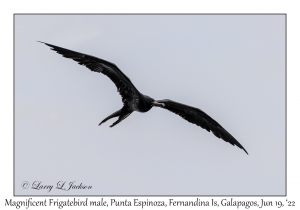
<point x="8" y="8"/>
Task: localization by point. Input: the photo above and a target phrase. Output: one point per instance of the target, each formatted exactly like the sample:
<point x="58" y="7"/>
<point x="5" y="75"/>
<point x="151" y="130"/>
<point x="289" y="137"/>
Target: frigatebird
<point x="133" y="100"/>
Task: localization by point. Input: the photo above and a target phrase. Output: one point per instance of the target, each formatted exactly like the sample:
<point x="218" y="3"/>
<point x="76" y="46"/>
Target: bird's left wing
<point x="198" y="117"/>
<point x="124" y="85"/>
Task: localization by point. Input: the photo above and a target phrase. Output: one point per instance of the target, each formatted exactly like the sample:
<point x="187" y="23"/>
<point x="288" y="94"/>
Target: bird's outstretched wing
<point x="124" y="85"/>
<point x="198" y="117"/>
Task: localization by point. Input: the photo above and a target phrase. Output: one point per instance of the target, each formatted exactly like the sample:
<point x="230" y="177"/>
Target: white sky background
<point x="232" y="67"/>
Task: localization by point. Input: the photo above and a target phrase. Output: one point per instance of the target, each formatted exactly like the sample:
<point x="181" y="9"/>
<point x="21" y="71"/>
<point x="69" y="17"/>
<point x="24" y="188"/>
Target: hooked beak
<point x="157" y="104"/>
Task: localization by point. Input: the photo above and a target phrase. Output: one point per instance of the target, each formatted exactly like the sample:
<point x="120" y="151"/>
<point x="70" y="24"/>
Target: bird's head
<point x="148" y="99"/>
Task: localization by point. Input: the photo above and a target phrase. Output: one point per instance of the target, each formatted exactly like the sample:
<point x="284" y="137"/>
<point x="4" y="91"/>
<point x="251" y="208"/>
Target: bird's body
<point x="133" y="100"/>
<point x="142" y="103"/>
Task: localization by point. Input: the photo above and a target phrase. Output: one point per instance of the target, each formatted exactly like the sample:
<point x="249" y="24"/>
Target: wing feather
<point x="125" y="87"/>
<point x="198" y="117"/>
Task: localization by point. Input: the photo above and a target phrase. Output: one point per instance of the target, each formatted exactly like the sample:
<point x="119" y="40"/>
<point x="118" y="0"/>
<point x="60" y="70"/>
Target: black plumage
<point x="133" y="100"/>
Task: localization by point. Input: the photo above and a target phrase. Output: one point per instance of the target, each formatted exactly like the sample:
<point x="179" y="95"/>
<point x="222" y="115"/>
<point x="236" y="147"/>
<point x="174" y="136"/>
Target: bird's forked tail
<point x="122" y="114"/>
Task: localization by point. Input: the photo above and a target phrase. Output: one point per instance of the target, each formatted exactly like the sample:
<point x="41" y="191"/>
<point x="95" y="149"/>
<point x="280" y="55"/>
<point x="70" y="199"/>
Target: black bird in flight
<point x="133" y="100"/>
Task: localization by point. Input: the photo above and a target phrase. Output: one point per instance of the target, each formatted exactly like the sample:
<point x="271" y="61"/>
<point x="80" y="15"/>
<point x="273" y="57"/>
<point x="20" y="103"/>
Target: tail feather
<point x="122" y="117"/>
<point x="122" y="114"/>
<point x="115" y="114"/>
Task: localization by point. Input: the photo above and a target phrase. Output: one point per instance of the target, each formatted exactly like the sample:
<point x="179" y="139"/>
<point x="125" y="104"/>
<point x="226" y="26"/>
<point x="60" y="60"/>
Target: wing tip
<point x="245" y="151"/>
<point x="240" y="146"/>
<point x="50" y="45"/>
<point x="42" y="42"/>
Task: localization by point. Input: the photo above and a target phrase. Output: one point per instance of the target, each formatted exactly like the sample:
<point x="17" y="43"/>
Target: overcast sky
<point x="230" y="66"/>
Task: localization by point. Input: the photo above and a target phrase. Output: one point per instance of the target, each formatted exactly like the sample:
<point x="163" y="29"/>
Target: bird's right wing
<point x="198" y="117"/>
<point x="124" y="85"/>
